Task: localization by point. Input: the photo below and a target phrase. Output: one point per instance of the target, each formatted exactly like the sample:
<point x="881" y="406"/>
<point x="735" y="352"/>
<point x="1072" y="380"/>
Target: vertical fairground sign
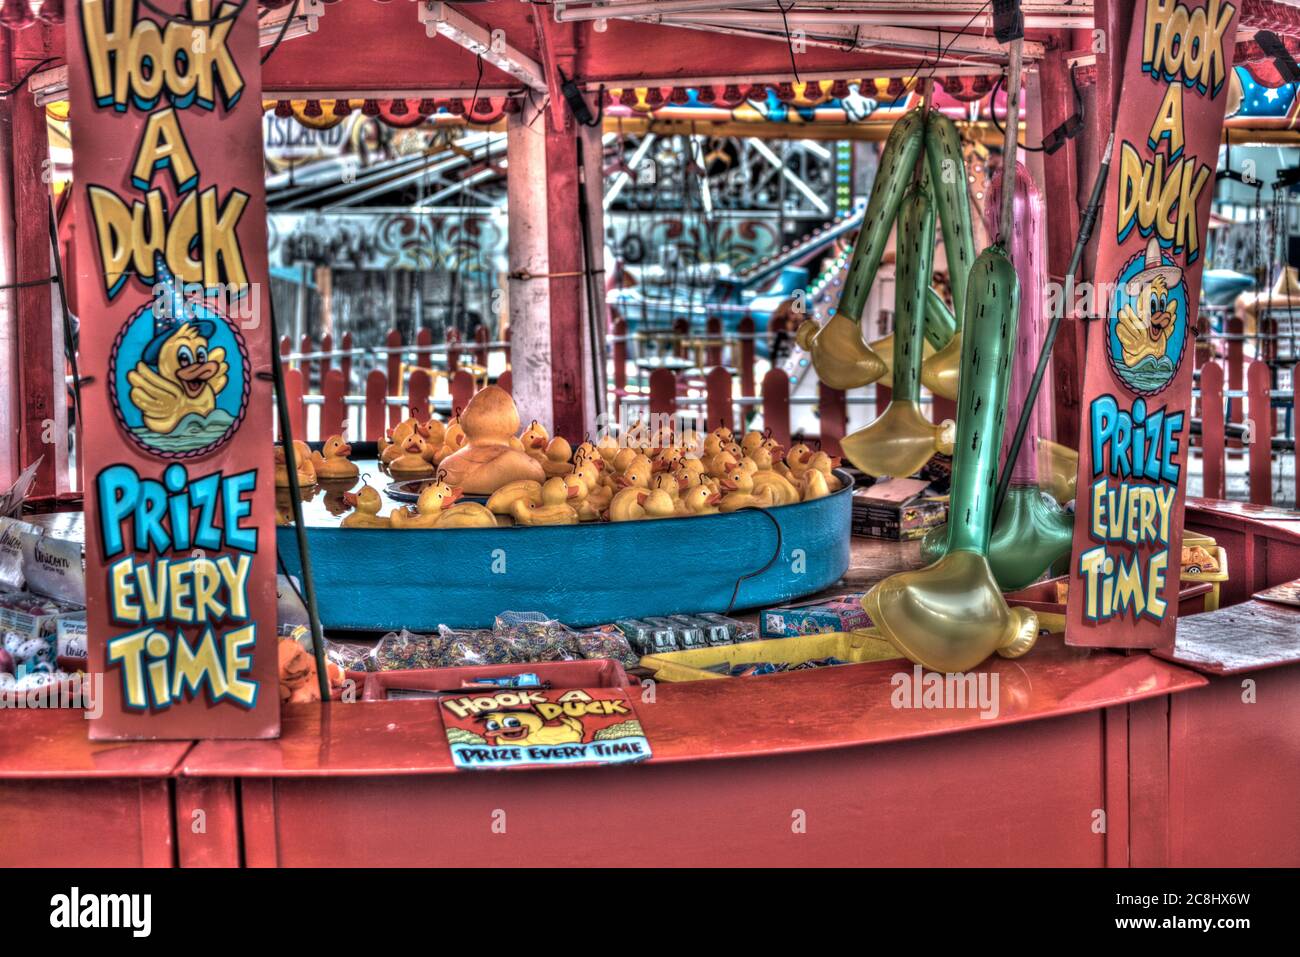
<point x="170" y="215"/>
<point x="1138" y="376"/>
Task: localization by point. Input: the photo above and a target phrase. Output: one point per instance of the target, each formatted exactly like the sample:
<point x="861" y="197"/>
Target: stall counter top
<point x="54" y="743"/>
<point x="837" y="707"/>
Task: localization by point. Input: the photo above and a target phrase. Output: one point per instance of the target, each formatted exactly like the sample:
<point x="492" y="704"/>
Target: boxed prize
<point x="898" y="509"/>
<point x="841" y="613"/>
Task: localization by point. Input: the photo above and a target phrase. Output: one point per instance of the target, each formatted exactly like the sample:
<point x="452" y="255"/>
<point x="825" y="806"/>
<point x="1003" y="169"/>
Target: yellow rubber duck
<point x="429" y="507"/>
<point x="608" y="447"/>
<point x="738" y="492"/>
<point x="332" y="462"/>
<point x="366" y="503"/>
<point x="699" y="500"/>
<point x="302" y="464"/>
<point x="534" y="438"/>
<point x="636" y="475"/>
<point x="411" y="463"/>
<point x="467" y="515"/>
<point x="815" y="486"/>
<point x="628" y="505"/>
<point x="763" y="476"/>
<point x="826" y="465"/>
<point x="659" y="504"/>
<point x="502" y="501"/>
<point x="555" y="460"/>
<point x="598" y="493"/>
<point x="554" y="510"/>
<point x="453" y="440"/>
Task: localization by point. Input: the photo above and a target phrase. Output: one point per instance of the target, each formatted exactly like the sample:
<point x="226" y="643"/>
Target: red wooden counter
<point x="66" y="802"/>
<point x="814" y="767"/>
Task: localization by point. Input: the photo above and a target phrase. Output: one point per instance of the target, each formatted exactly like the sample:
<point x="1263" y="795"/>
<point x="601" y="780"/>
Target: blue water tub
<point x="383" y="579"/>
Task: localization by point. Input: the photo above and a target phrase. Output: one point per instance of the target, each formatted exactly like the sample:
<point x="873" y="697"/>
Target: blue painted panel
<point x="383" y="579"/>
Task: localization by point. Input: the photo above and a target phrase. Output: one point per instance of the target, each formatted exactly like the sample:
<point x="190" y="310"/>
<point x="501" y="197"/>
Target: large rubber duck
<point x="487" y="461"/>
<point x="332" y="462"/>
<point x="180" y="372"/>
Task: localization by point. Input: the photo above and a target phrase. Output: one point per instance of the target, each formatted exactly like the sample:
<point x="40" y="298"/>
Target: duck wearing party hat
<point x="179" y="373"/>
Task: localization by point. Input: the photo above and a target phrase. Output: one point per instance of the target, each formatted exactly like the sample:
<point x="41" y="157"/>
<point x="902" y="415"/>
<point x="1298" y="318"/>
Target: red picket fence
<point x="384" y="398"/>
<point x="1236" y="406"/>
<point x="1253" y="411"/>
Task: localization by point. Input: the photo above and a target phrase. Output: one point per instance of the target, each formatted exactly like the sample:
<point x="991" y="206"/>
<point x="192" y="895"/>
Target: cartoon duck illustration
<point x="525" y="726"/>
<point x="1146" y="330"/>
<point x="179" y="373"/>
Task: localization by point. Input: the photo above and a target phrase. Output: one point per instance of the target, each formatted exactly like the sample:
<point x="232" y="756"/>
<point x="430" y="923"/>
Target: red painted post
<point x="39" y="413"/>
<point x="462" y="388"/>
<point x="305" y="346"/>
<point x="506" y="382"/>
<point x="833" y="411"/>
<point x="297" y="408"/>
<point x="1212" y="429"/>
<point x="286" y="347"/>
<point x="1295" y="427"/>
<point x="717" y="386"/>
<point x="334" y="411"/>
<point x="505" y="337"/>
<point x="884" y="394"/>
<point x="1235" y="374"/>
<point x="453" y="350"/>
<point x="776" y="405"/>
<point x="681" y="329"/>
<point x="376" y="394"/>
<point x="663" y="392"/>
<point x="394" y="341"/>
<point x="480" y="345"/>
<point x="424" y="339"/>
<point x="941" y="408"/>
<point x="746" y="364"/>
<point x="713" y="353"/>
<point x="345" y="363"/>
<point x="620" y="357"/>
<point x="419" y="388"/>
<point x="326" y="363"/>
<point x="1258" y="382"/>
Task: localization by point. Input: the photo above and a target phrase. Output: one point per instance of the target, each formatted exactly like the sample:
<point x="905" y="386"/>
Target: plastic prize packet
<point x="691" y="631"/>
<point x="29" y="624"/>
<point x="54" y="567"/>
<point x="607" y="642"/>
<point x="70" y="632"/>
<point x="11" y="553"/>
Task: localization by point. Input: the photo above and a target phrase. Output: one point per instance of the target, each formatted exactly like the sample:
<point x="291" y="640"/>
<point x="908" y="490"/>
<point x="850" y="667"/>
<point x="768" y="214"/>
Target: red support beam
<point x="1258" y="382"/>
<point x="376" y="393"/>
<point x="44" y="421"/>
<point x="1060" y="179"/>
<point x="1212" y="429"/>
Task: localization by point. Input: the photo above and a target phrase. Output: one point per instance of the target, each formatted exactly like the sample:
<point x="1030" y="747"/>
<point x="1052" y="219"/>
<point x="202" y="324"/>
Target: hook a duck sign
<point x="171" y="272"/>
<point x="1124" y="574"/>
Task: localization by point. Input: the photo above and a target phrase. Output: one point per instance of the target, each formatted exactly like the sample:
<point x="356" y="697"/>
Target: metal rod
<point x="1011" y="143"/>
<point x="295" y="503"/>
<point x="588" y="278"/>
<point x="1086" y="224"/>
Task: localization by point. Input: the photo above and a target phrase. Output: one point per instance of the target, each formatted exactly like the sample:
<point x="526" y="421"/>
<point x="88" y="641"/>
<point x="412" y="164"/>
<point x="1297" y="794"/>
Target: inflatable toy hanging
<point x="1031" y="531"/>
<point x="901" y="440"/>
<point x="951" y="615"/>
